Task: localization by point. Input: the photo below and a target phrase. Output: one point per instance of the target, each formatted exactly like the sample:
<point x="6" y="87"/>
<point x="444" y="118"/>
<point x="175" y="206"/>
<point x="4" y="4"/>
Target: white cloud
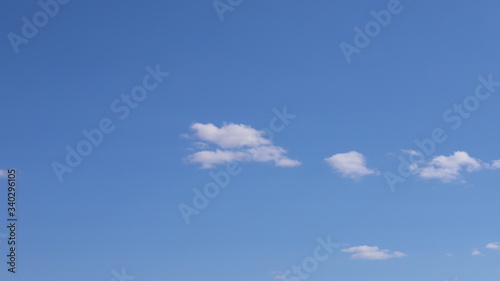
<point x="448" y="255"/>
<point x="448" y="168"/>
<point x="271" y="153"/>
<point x="200" y="145"/>
<point x="236" y="142"/>
<point x="230" y="135"/>
<point x="372" y="253"/>
<point x="410" y="152"/>
<point x="494" y="165"/>
<point x="3" y="174"/>
<point x="350" y="165"/>
<point x="493" y="246"/>
<point x="208" y="159"/>
<point x="475" y="252"/>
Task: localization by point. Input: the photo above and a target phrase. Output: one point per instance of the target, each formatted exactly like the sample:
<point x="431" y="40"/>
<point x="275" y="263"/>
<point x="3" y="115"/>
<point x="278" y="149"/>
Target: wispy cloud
<point x="3" y="174"/>
<point x="350" y="165"/>
<point x="475" y="252"/>
<point x="410" y="152"/>
<point x="495" y="164"/>
<point x="278" y="274"/>
<point x="235" y="142"/>
<point x="372" y="253"/>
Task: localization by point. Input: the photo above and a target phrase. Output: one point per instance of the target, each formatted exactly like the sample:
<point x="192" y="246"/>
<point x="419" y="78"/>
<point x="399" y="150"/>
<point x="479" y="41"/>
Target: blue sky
<point x="320" y="175"/>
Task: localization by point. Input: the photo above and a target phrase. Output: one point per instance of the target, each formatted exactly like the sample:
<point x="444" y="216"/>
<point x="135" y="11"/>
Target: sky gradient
<point x="240" y="140"/>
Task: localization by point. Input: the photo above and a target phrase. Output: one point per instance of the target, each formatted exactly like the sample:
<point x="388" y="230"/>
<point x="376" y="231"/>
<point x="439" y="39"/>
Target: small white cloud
<point x="3" y="174"/>
<point x="237" y="142"/>
<point x="410" y="152"/>
<point x="230" y="135"/>
<point x="372" y="253"/>
<point x="448" y="255"/>
<point x="350" y="165"/>
<point x="495" y="165"/>
<point x="493" y="246"/>
<point x="475" y="252"/>
<point x="447" y="168"/>
<point x="209" y="159"/>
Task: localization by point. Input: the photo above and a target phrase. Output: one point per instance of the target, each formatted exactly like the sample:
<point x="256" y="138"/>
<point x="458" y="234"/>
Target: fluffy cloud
<point x="350" y="165"/>
<point x="372" y="253"/>
<point x="450" y="168"/>
<point x="3" y="174"/>
<point x="493" y="246"/>
<point x="236" y="142"/>
<point x="230" y="135"/>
